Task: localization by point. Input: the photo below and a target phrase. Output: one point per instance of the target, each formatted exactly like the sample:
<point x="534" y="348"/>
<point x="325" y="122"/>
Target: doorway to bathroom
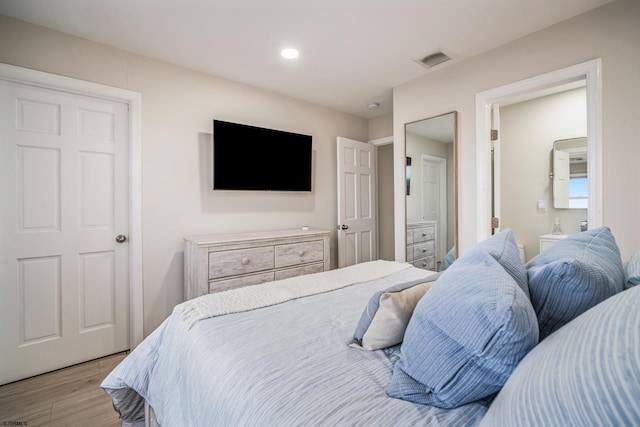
<point x="517" y="125"/>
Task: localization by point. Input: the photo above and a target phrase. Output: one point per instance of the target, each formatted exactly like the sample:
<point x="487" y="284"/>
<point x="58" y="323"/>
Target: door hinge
<point x="495" y="222"/>
<point x="494" y="134"/>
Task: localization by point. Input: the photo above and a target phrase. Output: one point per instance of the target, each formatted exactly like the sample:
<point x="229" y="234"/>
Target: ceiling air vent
<point x="434" y="59"/>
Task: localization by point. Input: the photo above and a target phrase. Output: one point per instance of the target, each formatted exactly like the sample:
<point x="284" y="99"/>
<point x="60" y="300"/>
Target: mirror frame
<point x="455" y="176"/>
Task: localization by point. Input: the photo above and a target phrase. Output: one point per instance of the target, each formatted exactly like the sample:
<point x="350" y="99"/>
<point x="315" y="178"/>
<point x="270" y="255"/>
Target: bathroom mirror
<point x="570" y="181"/>
<point x="431" y="200"/>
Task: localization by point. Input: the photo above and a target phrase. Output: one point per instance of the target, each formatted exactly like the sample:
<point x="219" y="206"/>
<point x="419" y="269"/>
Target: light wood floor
<point x="67" y="397"/>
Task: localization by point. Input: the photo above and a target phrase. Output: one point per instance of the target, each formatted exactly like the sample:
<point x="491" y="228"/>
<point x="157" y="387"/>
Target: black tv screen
<point x="258" y="159"/>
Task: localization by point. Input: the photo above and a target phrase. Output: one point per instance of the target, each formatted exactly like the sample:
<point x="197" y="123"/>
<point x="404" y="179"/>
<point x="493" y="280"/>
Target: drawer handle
<point x="424" y="250"/>
<point x="245" y="261"/>
<point x="301" y="253"/>
<point x="424" y="234"/>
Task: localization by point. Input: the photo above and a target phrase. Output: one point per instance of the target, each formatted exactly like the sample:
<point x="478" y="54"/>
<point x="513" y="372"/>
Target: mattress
<point x="285" y="364"/>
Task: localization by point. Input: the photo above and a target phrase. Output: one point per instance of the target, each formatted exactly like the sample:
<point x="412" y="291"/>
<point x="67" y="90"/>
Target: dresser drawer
<point x="423" y="234"/>
<point x="299" y="253"/>
<point x="428" y="263"/>
<point x="238" y="282"/>
<point x="299" y="271"/>
<point x="409" y="237"/>
<point x="240" y="261"/>
<point x="422" y="250"/>
<point x="218" y="262"/>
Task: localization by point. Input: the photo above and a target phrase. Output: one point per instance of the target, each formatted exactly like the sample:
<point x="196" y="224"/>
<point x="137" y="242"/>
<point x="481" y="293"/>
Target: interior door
<point x="561" y="176"/>
<point x="64" y="290"/>
<point x="434" y="199"/>
<point x="357" y="235"/>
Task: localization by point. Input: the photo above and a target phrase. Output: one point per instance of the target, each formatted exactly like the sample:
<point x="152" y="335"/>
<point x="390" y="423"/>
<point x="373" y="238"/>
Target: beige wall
<point x="178" y="106"/>
<point x="527" y="132"/>
<point x="611" y="33"/>
<point x="381" y="127"/>
<point x="385" y="203"/>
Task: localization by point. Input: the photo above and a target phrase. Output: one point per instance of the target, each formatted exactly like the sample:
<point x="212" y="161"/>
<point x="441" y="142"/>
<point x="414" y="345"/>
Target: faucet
<point x="583" y="225"/>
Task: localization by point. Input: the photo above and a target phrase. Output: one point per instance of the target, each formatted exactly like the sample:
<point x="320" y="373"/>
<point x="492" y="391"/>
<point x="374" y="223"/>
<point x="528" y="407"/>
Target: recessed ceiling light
<point x="289" y="53"/>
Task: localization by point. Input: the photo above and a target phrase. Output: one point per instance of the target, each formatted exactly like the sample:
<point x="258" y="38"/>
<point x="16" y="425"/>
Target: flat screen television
<point x="251" y="158"/>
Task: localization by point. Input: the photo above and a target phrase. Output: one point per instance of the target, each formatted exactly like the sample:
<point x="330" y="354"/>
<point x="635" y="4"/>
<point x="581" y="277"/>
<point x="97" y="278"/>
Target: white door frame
<point x="496" y="171"/>
<point x="133" y="99"/>
<point x="591" y="71"/>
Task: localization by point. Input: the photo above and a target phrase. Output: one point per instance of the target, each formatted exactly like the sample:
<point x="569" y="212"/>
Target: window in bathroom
<point x="578" y="192"/>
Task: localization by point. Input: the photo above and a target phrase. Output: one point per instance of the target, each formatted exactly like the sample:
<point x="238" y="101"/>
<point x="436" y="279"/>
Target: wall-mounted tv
<point x="251" y="158"/>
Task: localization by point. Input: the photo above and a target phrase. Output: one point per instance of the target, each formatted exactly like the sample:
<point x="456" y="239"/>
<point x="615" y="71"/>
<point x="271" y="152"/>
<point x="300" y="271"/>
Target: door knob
<point x="344" y="227"/>
<point x="121" y="238"/>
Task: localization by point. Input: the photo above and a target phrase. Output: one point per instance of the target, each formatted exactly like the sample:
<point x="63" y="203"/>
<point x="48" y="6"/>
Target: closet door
<point x="64" y="281"/>
<point x="357" y="236"/>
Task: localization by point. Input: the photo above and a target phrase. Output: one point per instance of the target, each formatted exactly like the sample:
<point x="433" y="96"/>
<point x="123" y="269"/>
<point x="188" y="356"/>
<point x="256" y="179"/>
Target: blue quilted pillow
<point x="448" y="259"/>
<point x="574" y="275"/>
<point x="632" y="270"/>
<point x="468" y="333"/>
<point x="503" y="247"/>
<point x="586" y="374"/>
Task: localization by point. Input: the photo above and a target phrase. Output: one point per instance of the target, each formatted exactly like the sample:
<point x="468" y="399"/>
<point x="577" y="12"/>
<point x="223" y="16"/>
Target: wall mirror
<point x="570" y="181"/>
<point x="431" y="200"/>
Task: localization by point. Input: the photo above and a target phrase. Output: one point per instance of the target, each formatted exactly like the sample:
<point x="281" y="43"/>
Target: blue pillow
<point x="468" y="333"/>
<point x="574" y="275"/>
<point x="448" y="259"/>
<point x="632" y="271"/>
<point x="385" y="318"/>
<point x="586" y="374"/>
<point x="503" y="247"/>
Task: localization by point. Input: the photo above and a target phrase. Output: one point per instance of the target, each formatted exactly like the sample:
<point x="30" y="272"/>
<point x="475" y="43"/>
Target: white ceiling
<point x="352" y="52"/>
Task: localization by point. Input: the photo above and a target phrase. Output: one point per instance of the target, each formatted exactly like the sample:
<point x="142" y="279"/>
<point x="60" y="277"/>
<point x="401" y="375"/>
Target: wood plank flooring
<point x="67" y="397"/>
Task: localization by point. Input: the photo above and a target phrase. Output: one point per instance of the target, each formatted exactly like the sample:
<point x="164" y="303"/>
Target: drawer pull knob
<point x="424" y="250"/>
<point x="424" y="234"/>
<point x="301" y="253"/>
<point x="245" y="261"/>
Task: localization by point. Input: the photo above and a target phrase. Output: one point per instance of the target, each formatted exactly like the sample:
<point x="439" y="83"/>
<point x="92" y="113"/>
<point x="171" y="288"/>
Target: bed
<point x="292" y="352"/>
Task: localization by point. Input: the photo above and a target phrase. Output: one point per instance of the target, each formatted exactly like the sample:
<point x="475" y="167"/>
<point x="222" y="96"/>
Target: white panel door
<point x="357" y="236"/>
<point x="434" y="199"/>
<point x="561" y="177"/>
<point x="64" y="291"/>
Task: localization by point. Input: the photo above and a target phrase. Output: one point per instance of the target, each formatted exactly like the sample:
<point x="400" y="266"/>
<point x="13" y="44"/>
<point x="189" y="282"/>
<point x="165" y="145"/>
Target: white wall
<point x="527" y="132"/>
<point x="611" y="33"/>
<point x="178" y="106"/>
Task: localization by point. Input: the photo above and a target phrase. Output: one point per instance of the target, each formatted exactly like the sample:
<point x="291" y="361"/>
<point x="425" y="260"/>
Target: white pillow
<point x="389" y="320"/>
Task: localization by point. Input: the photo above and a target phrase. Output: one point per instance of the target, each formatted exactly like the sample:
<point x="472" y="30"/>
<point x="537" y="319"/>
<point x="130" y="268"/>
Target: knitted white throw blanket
<point x="272" y="293"/>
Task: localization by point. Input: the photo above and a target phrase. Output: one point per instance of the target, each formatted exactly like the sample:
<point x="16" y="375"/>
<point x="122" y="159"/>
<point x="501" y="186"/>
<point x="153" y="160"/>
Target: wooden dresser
<point x="421" y="245"/>
<point x="215" y="263"/>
